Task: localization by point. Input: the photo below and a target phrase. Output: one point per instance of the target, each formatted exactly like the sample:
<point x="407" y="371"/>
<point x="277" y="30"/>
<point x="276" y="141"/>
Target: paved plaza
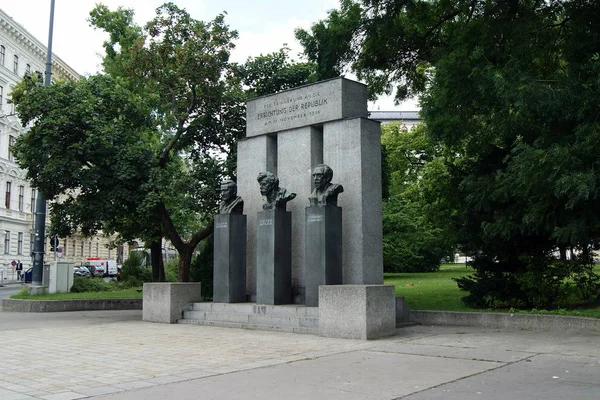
<point x="114" y="355"/>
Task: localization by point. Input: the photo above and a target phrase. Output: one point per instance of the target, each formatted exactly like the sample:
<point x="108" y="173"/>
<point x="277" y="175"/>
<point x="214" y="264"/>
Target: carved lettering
<point x="219" y="225"/>
<point x="265" y="222"/>
<point x="315" y="218"/>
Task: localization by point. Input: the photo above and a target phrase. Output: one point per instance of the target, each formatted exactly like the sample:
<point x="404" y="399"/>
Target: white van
<point x="108" y="264"/>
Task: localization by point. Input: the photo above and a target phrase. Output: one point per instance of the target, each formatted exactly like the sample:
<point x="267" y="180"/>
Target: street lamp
<point x="40" y="203"/>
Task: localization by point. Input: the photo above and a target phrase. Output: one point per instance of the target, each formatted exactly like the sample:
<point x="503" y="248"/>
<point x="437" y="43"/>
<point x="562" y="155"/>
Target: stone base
<point x="274" y="257"/>
<point x="322" y="251"/>
<point x="35" y="290"/>
<point x="165" y="302"/>
<point x="229" y="282"/>
<point x="364" y="312"/>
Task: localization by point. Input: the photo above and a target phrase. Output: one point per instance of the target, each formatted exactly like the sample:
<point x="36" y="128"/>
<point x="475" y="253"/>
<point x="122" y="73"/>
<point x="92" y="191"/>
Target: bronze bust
<point x="275" y="197"/>
<point x="231" y="203"/>
<point x="325" y="193"/>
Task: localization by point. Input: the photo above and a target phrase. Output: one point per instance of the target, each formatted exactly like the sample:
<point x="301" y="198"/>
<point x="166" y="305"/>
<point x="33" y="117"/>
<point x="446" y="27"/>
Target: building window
<point x="16" y="64"/>
<point x="21" y="197"/>
<point x="6" y="242"/>
<point x="27" y="68"/>
<point x="1" y="96"/>
<point x="65" y="247"/>
<point x="32" y="201"/>
<point x="82" y="248"/>
<point x="11" y="143"/>
<point x="31" y="241"/>
<point x="74" y="247"/>
<point x="2" y="55"/>
<point x="20" y="244"/>
<point x="90" y="249"/>
<point x="7" y="198"/>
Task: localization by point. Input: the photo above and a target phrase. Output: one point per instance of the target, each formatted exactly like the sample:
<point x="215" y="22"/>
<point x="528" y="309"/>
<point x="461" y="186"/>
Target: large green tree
<point x="415" y="239"/>
<point x="168" y="92"/>
<point x="510" y="89"/>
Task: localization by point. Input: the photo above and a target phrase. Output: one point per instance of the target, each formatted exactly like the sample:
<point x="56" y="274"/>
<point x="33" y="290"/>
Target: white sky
<point x="263" y="27"/>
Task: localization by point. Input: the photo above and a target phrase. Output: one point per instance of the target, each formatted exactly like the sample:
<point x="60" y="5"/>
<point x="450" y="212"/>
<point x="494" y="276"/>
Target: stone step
<point x="262" y="309"/>
<point x="261" y="327"/>
<point x="259" y="319"/>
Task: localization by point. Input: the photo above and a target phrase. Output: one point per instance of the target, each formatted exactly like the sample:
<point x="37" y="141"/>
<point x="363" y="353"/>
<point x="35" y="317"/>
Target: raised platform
<point x="281" y="318"/>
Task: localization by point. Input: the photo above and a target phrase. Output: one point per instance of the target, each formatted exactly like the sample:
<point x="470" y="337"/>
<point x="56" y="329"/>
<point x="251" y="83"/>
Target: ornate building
<point x="21" y="53"/>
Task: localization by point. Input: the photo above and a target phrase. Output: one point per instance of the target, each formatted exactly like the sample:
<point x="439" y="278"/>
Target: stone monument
<point x="273" y="243"/>
<point x="323" y="227"/>
<point x="229" y="274"/>
<point x="289" y="134"/>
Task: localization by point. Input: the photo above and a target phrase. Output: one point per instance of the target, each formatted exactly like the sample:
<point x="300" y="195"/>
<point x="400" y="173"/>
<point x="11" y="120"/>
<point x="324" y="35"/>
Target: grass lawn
<point x="131" y="293"/>
<point x="431" y="290"/>
<point x="437" y="291"/>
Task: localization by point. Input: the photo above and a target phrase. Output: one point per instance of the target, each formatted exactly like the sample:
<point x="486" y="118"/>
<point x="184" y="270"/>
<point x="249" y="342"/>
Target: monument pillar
<point x="305" y="147"/>
<point x="255" y="155"/>
<point x="352" y="148"/>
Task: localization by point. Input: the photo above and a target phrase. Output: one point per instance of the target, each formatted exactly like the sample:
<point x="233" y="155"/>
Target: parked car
<point x="81" y="270"/>
<point x="28" y="275"/>
<point x="96" y="270"/>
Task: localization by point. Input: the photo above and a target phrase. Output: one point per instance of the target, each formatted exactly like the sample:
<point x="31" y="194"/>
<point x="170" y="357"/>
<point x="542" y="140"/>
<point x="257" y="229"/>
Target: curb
<point x="18" y="305"/>
<point x="503" y="320"/>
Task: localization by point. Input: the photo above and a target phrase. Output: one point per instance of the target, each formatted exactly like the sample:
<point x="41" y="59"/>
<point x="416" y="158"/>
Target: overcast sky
<point x="263" y="26"/>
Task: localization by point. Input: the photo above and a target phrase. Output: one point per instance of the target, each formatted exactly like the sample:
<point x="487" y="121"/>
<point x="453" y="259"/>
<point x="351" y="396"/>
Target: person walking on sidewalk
<point x="19" y="269"/>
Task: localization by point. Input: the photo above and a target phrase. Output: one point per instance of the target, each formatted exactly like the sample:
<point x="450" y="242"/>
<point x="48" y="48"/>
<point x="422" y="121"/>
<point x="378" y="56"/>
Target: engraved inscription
<point x="259" y="309"/>
<point x="315" y="218"/>
<point x="265" y="222"/>
<point x="221" y="225"/>
<point x="292" y="108"/>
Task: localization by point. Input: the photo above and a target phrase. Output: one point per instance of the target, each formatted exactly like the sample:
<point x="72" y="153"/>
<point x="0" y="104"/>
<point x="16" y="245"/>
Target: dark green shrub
<point x="202" y="268"/>
<point x="134" y="271"/>
<point x="539" y="282"/>
<point x="83" y="284"/>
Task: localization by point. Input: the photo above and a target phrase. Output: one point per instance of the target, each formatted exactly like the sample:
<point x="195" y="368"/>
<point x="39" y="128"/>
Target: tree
<point x="188" y="112"/>
<point x="414" y="240"/>
<point x="510" y="91"/>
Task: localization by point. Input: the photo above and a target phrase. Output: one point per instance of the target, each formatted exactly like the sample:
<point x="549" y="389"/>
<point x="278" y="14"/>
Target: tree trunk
<point x="185" y="261"/>
<point x="158" y="266"/>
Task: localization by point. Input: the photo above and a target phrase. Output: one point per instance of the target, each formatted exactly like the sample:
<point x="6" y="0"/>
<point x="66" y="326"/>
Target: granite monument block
<point x="323" y="250"/>
<point x="274" y="257"/>
<point x="229" y="273"/>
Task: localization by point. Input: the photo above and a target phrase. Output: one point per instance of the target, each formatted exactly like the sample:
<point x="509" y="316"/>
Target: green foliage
<point x="83" y="284"/>
<point x="135" y="271"/>
<point x="272" y="73"/>
<point x="202" y="268"/>
<point x="509" y="93"/>
<point x="171" y="270"/>
<point x="412" y="240"/>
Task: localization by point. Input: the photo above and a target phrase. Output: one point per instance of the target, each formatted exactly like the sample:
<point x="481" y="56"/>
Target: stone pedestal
<point x="322" y="250"/>
<point x="274" y="257"/>
<point x="165" y="302"/>
<point x="363" y="312"/>
<point x="229" y="277"/>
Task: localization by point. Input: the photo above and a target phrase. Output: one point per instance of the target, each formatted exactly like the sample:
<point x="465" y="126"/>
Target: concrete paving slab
<point x="355" y="375"/>
<point x="541" y="377"/>
<point x="93" y="354"/>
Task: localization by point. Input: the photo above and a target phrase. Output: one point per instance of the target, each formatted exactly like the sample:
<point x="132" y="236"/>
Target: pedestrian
<point x="19" y="269"/>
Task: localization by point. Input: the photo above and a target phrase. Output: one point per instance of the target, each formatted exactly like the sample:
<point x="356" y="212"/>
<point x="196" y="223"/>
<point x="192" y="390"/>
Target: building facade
<point x="20" y="54"/>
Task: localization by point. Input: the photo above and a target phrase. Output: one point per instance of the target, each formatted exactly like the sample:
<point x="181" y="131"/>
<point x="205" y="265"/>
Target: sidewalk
<point x="114" y="355"/>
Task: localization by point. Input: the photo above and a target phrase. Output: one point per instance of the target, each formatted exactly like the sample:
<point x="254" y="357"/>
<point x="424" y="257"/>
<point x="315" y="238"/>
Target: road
<point x="8" y="290"/>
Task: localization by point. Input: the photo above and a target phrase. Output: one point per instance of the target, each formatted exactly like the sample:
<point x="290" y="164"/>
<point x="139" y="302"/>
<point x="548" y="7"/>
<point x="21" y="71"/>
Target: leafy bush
<point x="134" y="271"/>
<point x="538" y="282"/>
<point x="83" y="284"/>
<point x="409" y="243"/>
<point x="171" y="269"/>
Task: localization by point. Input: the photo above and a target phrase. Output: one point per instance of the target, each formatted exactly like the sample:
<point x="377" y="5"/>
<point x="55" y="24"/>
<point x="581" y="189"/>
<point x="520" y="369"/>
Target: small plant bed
<point x="438" y="291"/>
